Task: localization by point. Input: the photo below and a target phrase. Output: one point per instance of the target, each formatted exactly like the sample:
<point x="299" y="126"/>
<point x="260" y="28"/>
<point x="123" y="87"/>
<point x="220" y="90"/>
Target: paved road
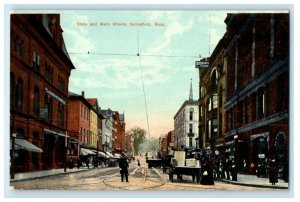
<point x="141" y="178"/>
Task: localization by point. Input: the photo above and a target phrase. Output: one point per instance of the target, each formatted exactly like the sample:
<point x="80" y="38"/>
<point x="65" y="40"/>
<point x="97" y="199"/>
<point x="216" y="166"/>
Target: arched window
<point x="12" y="89"/>
<point x="36" y="101"/>
<point x="214" y="78"/>
<point x="19" y="94"/>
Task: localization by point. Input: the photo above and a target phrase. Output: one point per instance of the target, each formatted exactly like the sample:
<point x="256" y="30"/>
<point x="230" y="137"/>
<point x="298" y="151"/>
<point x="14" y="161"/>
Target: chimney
<point x="82" y="93"/>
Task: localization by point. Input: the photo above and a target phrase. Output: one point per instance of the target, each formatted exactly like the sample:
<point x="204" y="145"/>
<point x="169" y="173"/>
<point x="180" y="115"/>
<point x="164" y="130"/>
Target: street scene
<point x="149" y="100"/>
<point x="140" y="178"/>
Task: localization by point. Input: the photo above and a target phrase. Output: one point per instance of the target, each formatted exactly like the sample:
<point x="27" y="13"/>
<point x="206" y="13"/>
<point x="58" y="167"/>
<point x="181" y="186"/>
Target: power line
<point x="133" y="55"/>
<point x="145" y="101"/>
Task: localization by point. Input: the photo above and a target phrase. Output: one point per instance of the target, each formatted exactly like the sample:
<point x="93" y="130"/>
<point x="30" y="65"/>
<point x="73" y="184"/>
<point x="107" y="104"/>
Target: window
<point x="215" y="101"/>
<point x="190" y="128"/>
<point x="49" y="106"/>
<point x="22" y="49"/>
<point x="209" y="104"/>
<point x="209" y="129"/>
<point x="19" y="94"/>
<point x="60" y="114"/>
<point x="81" y="110"/>
<point x="47" y="72"/>
<point x="12" y="41"/>
<point x="191" y="114"/>
<point x="36" y="61"/>
<point x="12" y="90"/>
<point x="190" y="142"/>
<point x="18" y="45"/>
<point x="36" y="101"/>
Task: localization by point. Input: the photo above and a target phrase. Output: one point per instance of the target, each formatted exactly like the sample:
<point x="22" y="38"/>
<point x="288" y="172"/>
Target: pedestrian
<point x="273" y="173"/>
<point x="207" y="175"/>
<point x="226" y="168"/>
<point x="71" y="163"/>
<point x="163" y="160"/>
<point x="123" y="164"/>
<point x="233" y="171"/>
<point x="87" y="163"/>
<point x="139" y="164"/>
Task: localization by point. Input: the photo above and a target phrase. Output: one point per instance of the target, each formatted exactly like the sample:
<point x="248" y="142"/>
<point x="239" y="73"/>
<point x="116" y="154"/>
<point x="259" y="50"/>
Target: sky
<point x="108" y="68"/>
<point x="151" y="86"/>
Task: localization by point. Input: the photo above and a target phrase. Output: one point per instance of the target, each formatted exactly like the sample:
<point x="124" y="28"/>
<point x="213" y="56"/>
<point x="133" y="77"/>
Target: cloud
<point x="175" y="28"/>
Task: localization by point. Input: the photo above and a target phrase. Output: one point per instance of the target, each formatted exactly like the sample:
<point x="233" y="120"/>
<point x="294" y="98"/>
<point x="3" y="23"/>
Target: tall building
<point x="119" y="133"/>
<point x="186" y="124"/>
<point x="257" y="90"/>
<point x="39" y="77"/>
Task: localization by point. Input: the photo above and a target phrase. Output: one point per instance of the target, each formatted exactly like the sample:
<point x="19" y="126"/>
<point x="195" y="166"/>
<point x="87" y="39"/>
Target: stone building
<point x="186" y="125"/>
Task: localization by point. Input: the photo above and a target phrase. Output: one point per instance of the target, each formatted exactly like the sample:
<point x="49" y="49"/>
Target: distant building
<point x="119" y="133"/>
<point x="107" y="130"/>
<point x="39" y="77"/>
<point x="186" y="124"/>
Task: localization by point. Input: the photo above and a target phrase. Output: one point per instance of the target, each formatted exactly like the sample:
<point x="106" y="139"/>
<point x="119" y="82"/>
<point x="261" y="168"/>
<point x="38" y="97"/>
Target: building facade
<point x="39" y="76"/>
<point x="257" y="90"/>
<point x="119" y="133"/>
<point x="186" y="125"/>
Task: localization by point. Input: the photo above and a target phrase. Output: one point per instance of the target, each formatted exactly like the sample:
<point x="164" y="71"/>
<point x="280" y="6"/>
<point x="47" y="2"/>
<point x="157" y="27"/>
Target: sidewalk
<point x="45" y="173"/>
<point x="254" y="181"/>
<point x="244" y="180"/>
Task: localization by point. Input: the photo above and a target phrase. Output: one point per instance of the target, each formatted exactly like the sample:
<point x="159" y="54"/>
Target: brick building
<point x="257" y="90"/>
<point x="119" y="133"/>
<point x="39" y="76"/>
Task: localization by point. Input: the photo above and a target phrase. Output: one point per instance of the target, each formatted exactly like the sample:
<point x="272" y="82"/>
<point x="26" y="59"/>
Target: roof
<point x="186" y="103"/>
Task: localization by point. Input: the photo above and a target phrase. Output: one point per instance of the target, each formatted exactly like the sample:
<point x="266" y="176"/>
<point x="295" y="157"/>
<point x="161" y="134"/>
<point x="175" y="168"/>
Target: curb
<point x="251" y="185"/>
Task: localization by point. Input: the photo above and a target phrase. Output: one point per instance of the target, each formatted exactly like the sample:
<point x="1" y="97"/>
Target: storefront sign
<point x="55" y="96"/>
<point x="200" y="64"/>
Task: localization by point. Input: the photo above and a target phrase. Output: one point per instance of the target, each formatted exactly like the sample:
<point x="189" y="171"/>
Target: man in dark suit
<point x="123" y="164"/>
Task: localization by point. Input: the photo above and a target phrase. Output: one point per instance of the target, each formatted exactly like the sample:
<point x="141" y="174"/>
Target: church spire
<point x="191" y="92"/>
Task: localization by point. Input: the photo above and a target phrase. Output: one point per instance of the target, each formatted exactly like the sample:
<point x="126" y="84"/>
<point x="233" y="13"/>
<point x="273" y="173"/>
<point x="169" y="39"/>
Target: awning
<point x="85" y="152"/>
<point x="117" y="155"/>
<point x="102" y="154"/>
<point x="110" y="155"/>
<point x="24" y="144"/>
<point x="264" y="135"/>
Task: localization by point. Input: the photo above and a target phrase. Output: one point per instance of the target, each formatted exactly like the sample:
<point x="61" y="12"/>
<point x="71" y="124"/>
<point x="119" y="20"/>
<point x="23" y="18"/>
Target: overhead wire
<point x="133" y="55"/>
<point x="145" y="100"/>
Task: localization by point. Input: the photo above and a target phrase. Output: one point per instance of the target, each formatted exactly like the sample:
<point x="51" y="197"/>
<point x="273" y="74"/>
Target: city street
<point x="140" y="178"/>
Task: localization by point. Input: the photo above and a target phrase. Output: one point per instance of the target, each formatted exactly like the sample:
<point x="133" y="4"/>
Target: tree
<point x="138" y="135"/>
